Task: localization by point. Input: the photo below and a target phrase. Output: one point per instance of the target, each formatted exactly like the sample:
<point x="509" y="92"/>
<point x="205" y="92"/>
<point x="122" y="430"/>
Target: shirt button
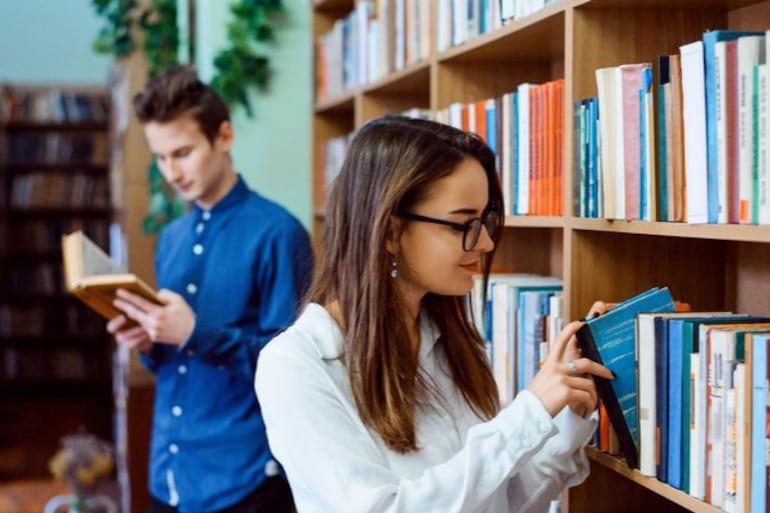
<point x="271" y="468"/>
<point x="182" y="369"/>
<point x="527" y="443"/>
<point x="206" y="215"/>
<point x="190" y="352"/>
<point x="543" y="427"/>
<point x="198" y="249"/>
<point x="191" y="288"/>
<point x="173" y="448"/>
<point x="176" y="411"/>
<point x="199" y="227"/>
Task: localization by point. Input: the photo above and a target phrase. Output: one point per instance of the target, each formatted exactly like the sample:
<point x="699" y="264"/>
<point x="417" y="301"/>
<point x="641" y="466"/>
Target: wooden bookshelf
<point x="713" y="267"/>
<point x="55" y="355"/>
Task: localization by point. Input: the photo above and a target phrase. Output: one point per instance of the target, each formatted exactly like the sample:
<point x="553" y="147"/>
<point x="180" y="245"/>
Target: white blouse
<point x="517" y="462"/>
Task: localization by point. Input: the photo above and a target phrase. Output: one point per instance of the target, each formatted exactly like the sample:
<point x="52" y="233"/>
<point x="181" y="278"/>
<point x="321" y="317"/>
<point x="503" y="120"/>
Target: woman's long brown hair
<point x="389" y="166"/>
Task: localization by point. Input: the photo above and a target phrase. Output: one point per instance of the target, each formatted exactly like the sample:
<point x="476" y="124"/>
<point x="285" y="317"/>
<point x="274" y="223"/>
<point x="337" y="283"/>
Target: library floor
<point x="31" y="496"/>
<point x="28" y="496"/>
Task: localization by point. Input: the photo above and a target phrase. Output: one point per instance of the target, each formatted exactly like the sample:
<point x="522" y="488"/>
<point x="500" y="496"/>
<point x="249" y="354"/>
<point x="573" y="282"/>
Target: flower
<point x="82" y="462"/>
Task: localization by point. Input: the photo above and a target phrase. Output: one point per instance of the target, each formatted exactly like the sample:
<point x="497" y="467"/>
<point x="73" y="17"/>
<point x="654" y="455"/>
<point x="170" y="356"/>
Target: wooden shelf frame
<point x="711" y="266"/>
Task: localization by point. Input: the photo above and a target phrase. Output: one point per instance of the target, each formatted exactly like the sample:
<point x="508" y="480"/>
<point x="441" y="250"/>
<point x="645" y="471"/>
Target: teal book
<point x="713" y="88"/>
<point x="610" y="339"/>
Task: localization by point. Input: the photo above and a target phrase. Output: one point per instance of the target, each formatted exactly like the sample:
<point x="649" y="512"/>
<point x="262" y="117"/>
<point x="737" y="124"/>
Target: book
<point x="610" y="340"/>
<point x="93" y="277"/>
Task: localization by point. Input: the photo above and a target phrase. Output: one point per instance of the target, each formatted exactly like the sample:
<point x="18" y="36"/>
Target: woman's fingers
<point x="583" y="366"/>
<point x="598" y="308"/>
<point x="556" y="353"/>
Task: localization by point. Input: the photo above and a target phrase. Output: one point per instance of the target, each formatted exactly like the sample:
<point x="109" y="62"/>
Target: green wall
<point x="49" y="41"/>
<point x="272" y="149"/>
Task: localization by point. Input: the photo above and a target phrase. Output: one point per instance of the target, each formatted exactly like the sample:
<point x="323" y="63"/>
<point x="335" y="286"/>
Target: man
<point x="231" y="273"/>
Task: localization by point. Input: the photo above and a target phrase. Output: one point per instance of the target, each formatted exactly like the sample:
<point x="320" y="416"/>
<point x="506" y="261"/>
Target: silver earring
<point x="394" y="269"/>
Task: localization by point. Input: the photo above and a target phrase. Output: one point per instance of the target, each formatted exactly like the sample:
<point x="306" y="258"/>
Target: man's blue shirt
<point x="243" y="267"/>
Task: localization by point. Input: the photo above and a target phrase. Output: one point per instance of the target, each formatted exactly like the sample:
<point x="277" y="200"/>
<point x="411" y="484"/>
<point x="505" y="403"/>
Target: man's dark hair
<point x="178" y="92"/>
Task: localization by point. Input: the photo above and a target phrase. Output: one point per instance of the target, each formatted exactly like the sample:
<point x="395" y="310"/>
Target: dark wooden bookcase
<point x="55" y="355"/>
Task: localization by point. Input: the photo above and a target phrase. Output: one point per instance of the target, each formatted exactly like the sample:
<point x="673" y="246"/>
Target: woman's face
<point x="430" y="256"/>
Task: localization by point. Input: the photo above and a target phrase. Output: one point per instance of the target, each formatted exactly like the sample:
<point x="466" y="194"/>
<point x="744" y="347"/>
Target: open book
<point x="92" y="276"/>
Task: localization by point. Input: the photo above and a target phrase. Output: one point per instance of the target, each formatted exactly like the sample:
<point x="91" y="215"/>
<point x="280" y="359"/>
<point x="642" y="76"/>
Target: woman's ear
<point x="392" y="244"/>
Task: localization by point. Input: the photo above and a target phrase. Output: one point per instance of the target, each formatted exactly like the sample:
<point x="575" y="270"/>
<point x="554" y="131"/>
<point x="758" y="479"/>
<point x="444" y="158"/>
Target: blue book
<point x="758" y="442"/>
<point x="610" y="339"/>
<point x="711" y="75"/>
<point x="664" y="77"/>
<point x="678" y="437"/>
<point x="661" y="396"/>
<point x="596" y="207"/>
<point x="530" y="306"/>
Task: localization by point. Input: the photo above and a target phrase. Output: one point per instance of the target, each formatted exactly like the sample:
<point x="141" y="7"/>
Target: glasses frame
<point x="465" y="227"/>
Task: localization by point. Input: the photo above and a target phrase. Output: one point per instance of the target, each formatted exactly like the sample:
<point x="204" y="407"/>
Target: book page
<point x="96" y="261"/>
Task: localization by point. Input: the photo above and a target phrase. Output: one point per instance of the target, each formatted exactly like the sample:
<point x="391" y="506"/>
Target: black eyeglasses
<point x="470" y="229"/>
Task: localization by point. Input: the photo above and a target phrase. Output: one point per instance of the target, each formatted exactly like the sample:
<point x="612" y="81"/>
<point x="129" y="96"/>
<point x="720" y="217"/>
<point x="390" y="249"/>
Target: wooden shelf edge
<point x="679" y="497"/>
<point x="727" y="232"/>
<point x="534" y="222"/>
<point x="409" y="71"/>
<point x="337" y="103"/>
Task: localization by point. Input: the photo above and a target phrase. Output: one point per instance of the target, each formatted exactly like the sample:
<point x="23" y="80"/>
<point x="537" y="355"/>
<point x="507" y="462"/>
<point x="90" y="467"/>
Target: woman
<point x="380" y="398"/>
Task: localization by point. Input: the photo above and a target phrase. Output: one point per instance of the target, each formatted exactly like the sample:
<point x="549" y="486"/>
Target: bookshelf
<point x="714" y="267"/>
<point x="55" y="355"/>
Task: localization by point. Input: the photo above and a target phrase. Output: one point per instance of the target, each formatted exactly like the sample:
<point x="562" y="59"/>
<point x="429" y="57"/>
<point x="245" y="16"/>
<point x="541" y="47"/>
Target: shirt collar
<point x="235" y="197"/>
<point x="330" y="345"/>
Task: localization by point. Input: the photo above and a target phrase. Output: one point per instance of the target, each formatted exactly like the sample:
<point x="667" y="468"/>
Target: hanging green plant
<point x="161" y="35"/>
<point x="161" y="44"/>
<point x="240" y="67"/>
<point x="115" y="37"/>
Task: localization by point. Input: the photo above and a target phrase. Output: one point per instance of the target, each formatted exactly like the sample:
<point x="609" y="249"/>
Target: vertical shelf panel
<point x="530" y="250"/>
<point x="615" y="36"/>
<point x="612" y="267"/>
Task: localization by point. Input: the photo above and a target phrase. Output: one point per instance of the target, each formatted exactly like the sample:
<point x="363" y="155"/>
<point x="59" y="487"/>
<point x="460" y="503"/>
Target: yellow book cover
<point x="93" y="277"/>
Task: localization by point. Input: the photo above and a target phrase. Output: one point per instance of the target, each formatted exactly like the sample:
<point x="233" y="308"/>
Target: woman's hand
<point x="566" y="378"/>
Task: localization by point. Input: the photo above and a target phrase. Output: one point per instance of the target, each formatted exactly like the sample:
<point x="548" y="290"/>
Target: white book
<point x="750" y="54"/>
<point x="399" y="25"/>
<point x="443" y="25"/>
<point x="729" y="483"/>
<point x="373" y="49"/>
<point x="648" y="446"/>
<point x="742" y="408"/>
<point x="507" y="9"/>
<point x="763" y="143"/>
<point x="697" y="429"/>
<point x="694" y="114"/>
<point x="522" y="170"/>
<point x="501" y="327"/>
<point x="720" y="68"/>
<point x="609" y="86"/>
<point x="456" y="115"/>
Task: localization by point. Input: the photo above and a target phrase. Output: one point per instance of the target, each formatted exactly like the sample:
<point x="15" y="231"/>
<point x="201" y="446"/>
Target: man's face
<point x="195" y="167"/>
